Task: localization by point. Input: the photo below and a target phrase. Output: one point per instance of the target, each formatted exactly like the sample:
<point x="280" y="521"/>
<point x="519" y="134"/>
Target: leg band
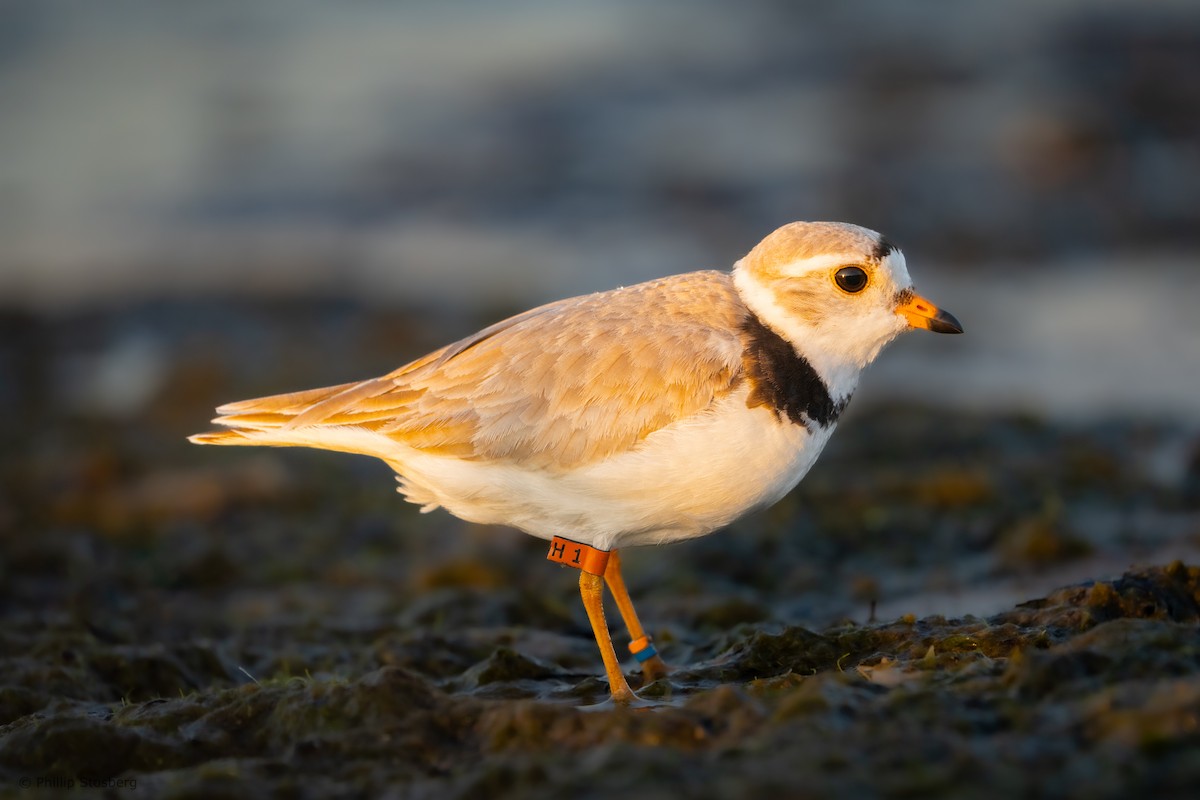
<point x="643" y="649"/>
<point x="578" y="555"/>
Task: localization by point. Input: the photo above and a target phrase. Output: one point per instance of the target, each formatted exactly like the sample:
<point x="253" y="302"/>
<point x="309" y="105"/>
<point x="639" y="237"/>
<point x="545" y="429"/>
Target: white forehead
<point x="895" y="262"/>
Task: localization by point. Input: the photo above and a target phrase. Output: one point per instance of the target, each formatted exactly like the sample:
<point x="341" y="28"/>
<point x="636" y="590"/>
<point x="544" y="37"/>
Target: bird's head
<point x="837" y="292"/>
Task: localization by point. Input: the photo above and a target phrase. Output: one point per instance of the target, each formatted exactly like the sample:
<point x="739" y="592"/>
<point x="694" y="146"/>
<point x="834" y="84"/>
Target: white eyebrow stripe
<point x="819" y="263"/>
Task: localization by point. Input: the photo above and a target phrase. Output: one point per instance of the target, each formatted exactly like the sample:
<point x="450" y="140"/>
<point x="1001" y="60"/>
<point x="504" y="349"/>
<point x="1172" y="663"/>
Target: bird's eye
<point x="851" y="279"/>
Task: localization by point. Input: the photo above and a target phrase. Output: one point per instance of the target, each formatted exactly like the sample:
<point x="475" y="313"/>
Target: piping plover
<point x="642" y="415"/>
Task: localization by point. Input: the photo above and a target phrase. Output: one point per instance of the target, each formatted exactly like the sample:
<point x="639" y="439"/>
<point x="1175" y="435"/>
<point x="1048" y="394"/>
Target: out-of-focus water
<point x="1074" y="340"/>
<point x="1037" y="162"/>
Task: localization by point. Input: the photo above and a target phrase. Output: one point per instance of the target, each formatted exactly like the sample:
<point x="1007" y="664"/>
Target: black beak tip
<point x="945" y="322"/>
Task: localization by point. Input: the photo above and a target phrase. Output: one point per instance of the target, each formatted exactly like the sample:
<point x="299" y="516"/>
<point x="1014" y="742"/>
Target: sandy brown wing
<point x="575" y="381"/>
<point x="367" y="404"/>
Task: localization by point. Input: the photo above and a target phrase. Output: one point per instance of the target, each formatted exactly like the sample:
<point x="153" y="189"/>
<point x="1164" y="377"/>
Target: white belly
<point x="683" y="481"/>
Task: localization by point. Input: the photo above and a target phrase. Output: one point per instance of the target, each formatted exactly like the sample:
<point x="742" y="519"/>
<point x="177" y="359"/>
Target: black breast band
<point x="783" y="380"/>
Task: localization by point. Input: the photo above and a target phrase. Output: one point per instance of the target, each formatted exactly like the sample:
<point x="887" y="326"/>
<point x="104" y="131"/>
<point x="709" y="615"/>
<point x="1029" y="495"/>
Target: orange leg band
<point x="578" y="555"/>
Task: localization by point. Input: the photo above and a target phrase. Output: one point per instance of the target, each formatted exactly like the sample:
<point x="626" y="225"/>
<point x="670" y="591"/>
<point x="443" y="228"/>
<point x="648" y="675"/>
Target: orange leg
<point x="591" y="589"/>
<point x="653" y="667"/>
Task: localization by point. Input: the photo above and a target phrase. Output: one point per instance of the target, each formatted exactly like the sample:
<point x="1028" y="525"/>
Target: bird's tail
<point x="340" y="418"/>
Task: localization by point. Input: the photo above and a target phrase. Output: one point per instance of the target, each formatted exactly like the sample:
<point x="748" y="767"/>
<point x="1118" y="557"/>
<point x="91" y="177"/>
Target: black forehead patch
<point x="783" y="380"/>
<point x="883" y="249"/>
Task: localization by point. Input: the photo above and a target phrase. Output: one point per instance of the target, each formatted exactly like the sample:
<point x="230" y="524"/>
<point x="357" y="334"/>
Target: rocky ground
<point x="223" y="623"/>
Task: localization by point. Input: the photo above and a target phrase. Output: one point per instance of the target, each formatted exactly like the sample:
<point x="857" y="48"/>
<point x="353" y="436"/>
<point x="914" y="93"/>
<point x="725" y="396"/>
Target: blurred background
<point x="206" y="201"/>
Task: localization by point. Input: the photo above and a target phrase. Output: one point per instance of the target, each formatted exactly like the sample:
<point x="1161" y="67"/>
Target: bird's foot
<point x="654" y="668"/>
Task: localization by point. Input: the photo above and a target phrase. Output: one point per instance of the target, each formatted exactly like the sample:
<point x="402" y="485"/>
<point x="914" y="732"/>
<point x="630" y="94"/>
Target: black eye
<point x="851" y="279"/>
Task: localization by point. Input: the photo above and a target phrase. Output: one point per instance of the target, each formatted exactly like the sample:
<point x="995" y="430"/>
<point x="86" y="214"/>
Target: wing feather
<point x="562" y="384"/>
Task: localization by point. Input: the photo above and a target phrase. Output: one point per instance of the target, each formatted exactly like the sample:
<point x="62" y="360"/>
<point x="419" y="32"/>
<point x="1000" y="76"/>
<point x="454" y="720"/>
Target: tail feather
<point x="344" y="417"/>
<point x="220" y="437"/>
<point x="339" y="401"/>
<point x="293" y="402"/>
<point x="258" y="422"/>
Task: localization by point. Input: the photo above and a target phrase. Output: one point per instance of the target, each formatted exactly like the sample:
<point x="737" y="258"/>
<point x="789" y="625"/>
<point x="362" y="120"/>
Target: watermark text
<point x="63" y="782"/>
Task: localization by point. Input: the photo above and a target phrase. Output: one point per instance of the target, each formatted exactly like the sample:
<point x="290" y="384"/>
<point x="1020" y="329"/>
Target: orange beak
<point x="921" y="313"/>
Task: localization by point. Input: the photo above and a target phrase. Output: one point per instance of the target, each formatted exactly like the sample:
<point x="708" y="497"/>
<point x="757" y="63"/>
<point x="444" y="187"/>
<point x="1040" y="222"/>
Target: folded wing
<point x="567" y="383"/>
